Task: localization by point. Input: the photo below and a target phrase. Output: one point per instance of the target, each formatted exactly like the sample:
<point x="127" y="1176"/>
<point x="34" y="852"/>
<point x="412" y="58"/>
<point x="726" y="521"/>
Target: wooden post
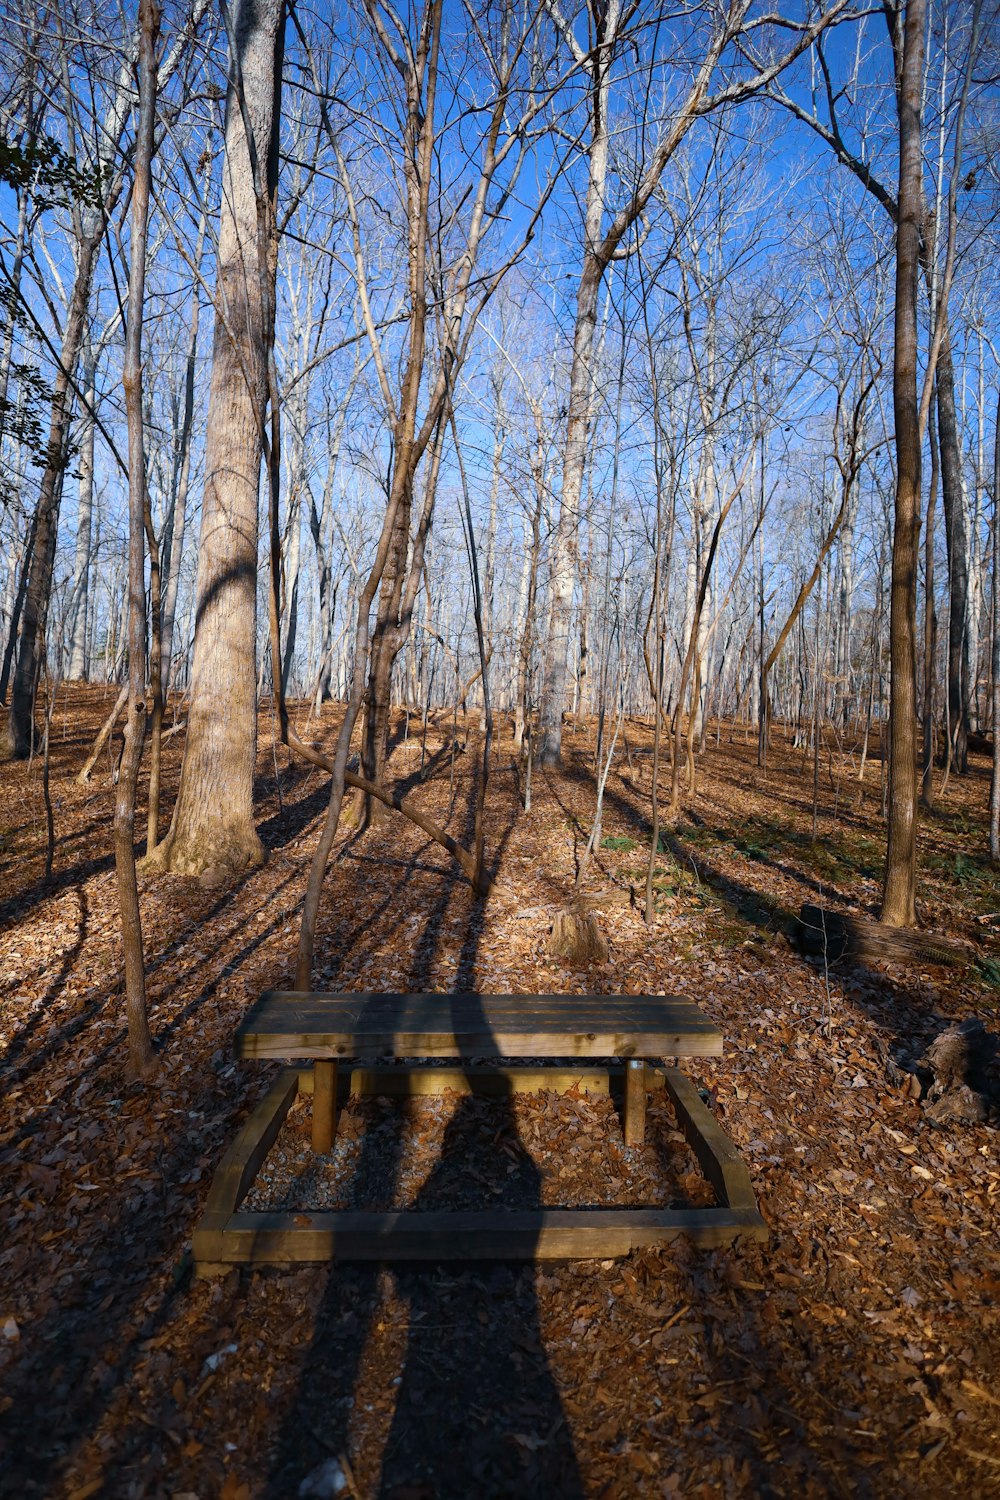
<point x="635" y="1102"/>
<point x="324" y="1104"/>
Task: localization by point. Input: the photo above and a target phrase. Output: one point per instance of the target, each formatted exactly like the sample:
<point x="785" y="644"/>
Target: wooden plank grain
<point x="438" y="1011"/>
<point x="635" y="1104"/>
<point x="243" y="1160"/>
<point x="534" y="1234"/>
<point x="292" y="1025"/>
<point x="293" y="1045"/>
<point x="718" y="1158"/>
<point x="324" y="1109"/>
<point x="399" y="1080"/>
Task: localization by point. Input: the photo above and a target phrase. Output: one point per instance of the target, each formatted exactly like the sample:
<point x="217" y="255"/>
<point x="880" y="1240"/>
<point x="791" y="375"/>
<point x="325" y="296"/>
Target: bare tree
<point x="140" y="1046"/>
<point x="90" y="223"/>
<point x="613" y="35"/>
<point x="213" y="823"/>
<point x="899" y="889"/>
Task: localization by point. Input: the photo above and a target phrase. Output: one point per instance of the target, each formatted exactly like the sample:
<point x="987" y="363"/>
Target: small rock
<point x="11" y="1332"/>
<point x="326" y="1480"/>
<point x="213" y="1361"/>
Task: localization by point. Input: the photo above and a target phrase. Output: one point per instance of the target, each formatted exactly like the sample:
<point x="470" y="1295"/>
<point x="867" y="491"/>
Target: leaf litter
<point x="854" y="1353"/>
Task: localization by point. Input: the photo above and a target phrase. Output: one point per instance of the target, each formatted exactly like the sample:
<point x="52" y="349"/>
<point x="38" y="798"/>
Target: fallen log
<point x="104" y="734"/>
<point x="822" y="931"/>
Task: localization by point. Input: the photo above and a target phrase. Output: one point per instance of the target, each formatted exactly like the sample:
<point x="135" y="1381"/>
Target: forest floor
<point x="855" y="1353"/>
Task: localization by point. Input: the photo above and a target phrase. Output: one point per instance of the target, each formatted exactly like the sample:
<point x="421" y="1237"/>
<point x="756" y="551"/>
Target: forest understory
<point x="853" y="1354"/>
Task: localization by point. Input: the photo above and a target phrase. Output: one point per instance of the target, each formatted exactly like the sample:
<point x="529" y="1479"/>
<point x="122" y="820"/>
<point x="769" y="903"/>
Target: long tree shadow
<point x="476" y="1410"/>
<point x="97" y="1344"/>
<point x="23" y="1037"/>
<point x="905" y="1022"/>
<point x="908" y="1020"/>
<point x="17" y="907"/>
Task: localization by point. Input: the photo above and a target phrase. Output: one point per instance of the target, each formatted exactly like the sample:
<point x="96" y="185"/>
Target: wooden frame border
<point x="226" y="1237"/>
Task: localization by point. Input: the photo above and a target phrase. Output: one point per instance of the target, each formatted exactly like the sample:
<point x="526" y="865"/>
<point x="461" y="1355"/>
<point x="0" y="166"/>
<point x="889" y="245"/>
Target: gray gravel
<point x="458" y="1152"/>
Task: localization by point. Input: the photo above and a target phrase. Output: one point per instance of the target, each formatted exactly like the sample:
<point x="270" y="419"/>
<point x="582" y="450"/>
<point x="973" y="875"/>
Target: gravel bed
<point x="460" y="1152"/>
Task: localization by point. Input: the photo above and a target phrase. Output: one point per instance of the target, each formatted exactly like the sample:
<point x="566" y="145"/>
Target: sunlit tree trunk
<point x="78" y="664"/>
<point x="899" y="888"/>
<point x="995" y="657"/>
<point x="213" y="825"/>
<point x="140" y="1046"/>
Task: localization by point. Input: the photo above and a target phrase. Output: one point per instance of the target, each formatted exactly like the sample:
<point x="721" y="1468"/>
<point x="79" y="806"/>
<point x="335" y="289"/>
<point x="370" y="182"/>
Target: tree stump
<point x="577" y="937"/>
<point x="959" y="1058"/>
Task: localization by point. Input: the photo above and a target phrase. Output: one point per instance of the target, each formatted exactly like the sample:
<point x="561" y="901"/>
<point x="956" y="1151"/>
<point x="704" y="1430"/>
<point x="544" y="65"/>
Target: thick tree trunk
<point x="213" y="826"/>
<point x="899" y="889"/>
<point x="172" y="548"/>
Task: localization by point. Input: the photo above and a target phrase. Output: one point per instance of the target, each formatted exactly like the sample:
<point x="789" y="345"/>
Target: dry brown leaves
<point x="854" y="1354"/>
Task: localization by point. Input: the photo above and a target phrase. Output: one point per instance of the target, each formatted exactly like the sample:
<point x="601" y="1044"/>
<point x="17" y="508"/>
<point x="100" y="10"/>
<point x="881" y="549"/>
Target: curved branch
<point x="404" y="805"/>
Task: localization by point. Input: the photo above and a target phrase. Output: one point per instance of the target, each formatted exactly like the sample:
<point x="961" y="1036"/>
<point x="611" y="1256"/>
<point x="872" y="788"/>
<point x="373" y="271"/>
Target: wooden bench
<point x="375" y="1029"/>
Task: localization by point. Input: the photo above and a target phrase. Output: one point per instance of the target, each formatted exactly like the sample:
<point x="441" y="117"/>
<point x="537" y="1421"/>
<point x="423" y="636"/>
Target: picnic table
<point x="395" y="1043"/>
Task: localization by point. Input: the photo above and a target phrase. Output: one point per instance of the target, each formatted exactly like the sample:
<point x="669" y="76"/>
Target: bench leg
<point x="324" y="1121"/>
<point x="635" y="1102"/>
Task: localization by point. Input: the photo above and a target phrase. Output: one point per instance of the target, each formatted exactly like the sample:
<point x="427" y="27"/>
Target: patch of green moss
<point x="619" y="842"/>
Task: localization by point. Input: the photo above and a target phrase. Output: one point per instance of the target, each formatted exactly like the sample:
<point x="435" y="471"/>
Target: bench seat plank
<point x="291" y="1025"/>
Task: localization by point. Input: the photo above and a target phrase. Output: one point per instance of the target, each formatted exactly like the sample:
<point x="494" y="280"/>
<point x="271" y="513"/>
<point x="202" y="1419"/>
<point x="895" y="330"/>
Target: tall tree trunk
<point x="899" y="888"/>
<point x="140" y="1045"/>
<point x="930" y="626"/>
<point x="995" y="657"/>
<point x="78" y="664"/>
<point x="957" y="540"/>
<point x="172" y="548"/>
<point x="213" y="826"/>
<point x="564" y="555"/>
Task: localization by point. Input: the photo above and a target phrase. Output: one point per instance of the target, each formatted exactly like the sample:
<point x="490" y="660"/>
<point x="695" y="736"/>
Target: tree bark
<point x="957" y="540"/>
<point x="78" y="665"/>
<point x="213" y="824"/>
<point x="995" y="656"/>
<point x="930" y="627"/>
<point x="899" y="887"/>
<point x="172" y="547"/>
<point x="140" y="1044"/>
